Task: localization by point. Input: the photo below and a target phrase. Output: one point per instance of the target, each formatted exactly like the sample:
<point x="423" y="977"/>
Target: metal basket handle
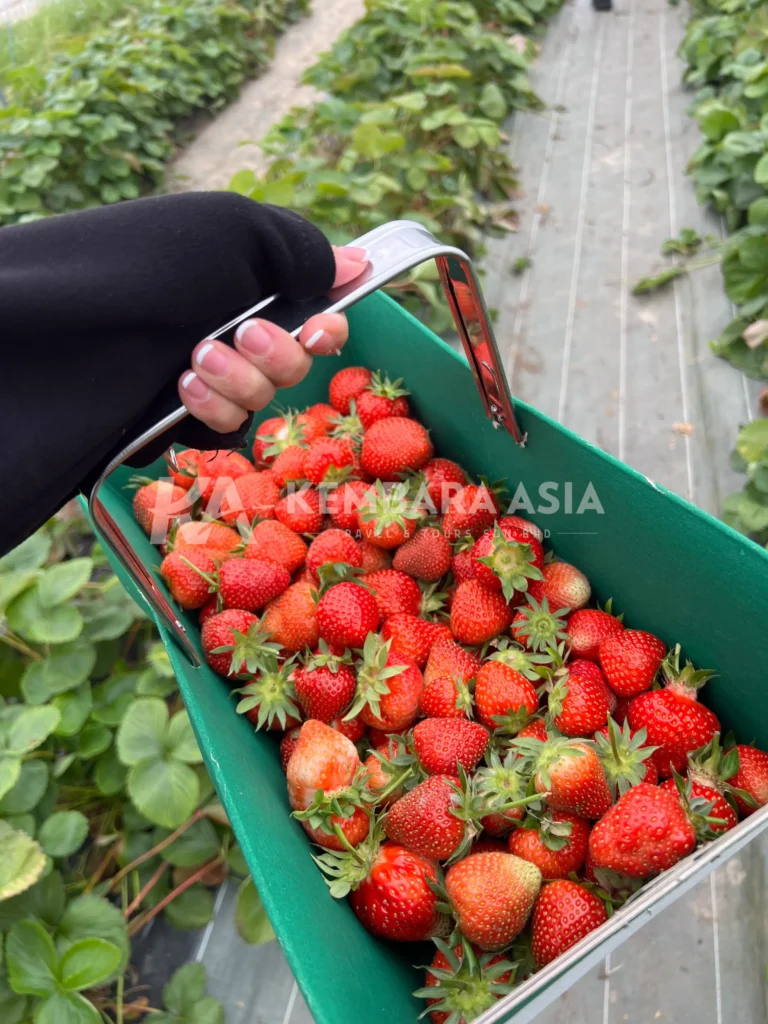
<point x="393" y="250"/>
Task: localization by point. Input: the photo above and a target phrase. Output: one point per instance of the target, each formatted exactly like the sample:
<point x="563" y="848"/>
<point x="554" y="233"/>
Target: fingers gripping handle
<point x="393" y="250"/>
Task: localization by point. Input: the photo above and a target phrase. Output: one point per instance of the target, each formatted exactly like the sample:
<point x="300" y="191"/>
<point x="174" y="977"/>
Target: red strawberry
<point x="565" y="912"/>
<point x="374" y="558"/>
<point x="184" y="473"/>
<point x="527" y="526"/>
<point x="291" y="619"/>
<point x="388" y="687"/>
<point x="446" y="697"/>
<point x="647" y="831"/>
<point x="447" y="658"/>
<point x="288" y="744"/>
<point x="325" y="686"/>
<point x="251" y="496"/>
<point x="395" y="593"/>
<point x="568" y="773"/>
<point x="344" y="501"/>
<point x="484" y="845"/>
<point x="385" y="779"/>
<point x="501" y="787"/>
<point x="381" y="398"/>
<point x="443" y="480"/>
<point x="250" y="584"/>
<point x="276" y="434"/>
<point x="217" y="469"/>
<point x="347" y="385"/>
<point x="472" y="511"/>
<point x="442" y="744"/>
<point x="211" y="607"/>
<point x="674" y="720"/>
<point x="333" y="547"/>
<point x="157" y="504"/>
<point x="751" y="777"/>
<point x="586" y="630"/>
<point x="492" y="895"/>
<point x="535" y="730"/>
<point x="301" y="510"/>
<point x="460" y="984"/>
<point x="188" y="588"/>
<point x="538" y="628"/>
<point x="426" y="556"/>
<point x="579" y="701"/>
<point x="630" y="660"/>
<point x="269" y="700"/>
<point x="352" y="728"/>
<point x="478" y="614"/>
<point x="221" y="631"/>
<point x="330" y="460"/>
<point x="508" y="559"/>
<point x="707" y="809"/>
<point x="393" y="446"/>
<point x="346" y="614"/>
<point x="388" y="518"/>
<point x="430" y="820"/>
<point x="556" y="842"/>
<point x="317" y="420"/>
<point x="463" y="567"/>
<point x="272" y="541"/>
<point x="626" y="758"/>
<point x="288" y="467"/>
<point x="412" y="636"/>
<point x="563" y="586"/>
<point x="505" y="699"/>
<point x="218" y="541"/>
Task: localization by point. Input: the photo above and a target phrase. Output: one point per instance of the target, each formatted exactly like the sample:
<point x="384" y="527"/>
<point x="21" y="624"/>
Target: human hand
<point x="226" y="383"/>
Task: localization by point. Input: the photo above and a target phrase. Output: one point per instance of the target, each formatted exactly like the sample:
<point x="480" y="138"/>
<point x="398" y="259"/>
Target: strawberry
<point x="333" y="547"/>
<point x="526" y="525"/>
<point x="478" y="614"/>
<point x="563" y="586"/>
<point x="374" y="558"/>
<point x="346" y="614"/>
<point x="508" y="559"/>
<point x="565" y="912"/>
<point x="349" y="427"/>
<point x="380" y="398"/>
<point x="463" y="567"/>
<point x="188" y="588"/>
<point x="276" y="434"/>
<point x="626" y="758"/>
<point x="325" y="685"/>
<point x="393" y="446"/>
<point x="324" y="787"/>
<point x="217" y="469"/>
<point x="751" y="779"/>
<point x="347" y="385"/>
<point x="272" y="541"/>
<point x="460" y="984"/>
<point x="505" y="699"/>
<point x="157" y="504"/>
<point x="645" y="832"/>
<point x="211" y="607"/>
<point x="492" y="895"/>
<point x="184" y="473"/>
<point x="329" y="461"/>
<point x="218" y="541"/>
<point x="291" y="618"/>
<point x="586" y="630"/>
<point x="288" y="467"/>
<point x="269" y="700"/>
<point x="445" y="697"/>
<point x="388" y="687"/>
<point x="220" y="635"/>
<point x="568" y="773"/>
<point x="249" y="584"/>
<point x="484" y="845"/>
<point x="352" y="728"/>
<point x="412" y="636"/>
<point x="433" y="820"/>
<point x="708" y="811"/>
<point x="287" y="746"/>
<point x="579" y="701"/>
<point x="317" y="420"/>
<point x="556" y="842"/>
<point x="447" y="658"/>
<point x="443" y="479"/>
<point x="388" y="518"/>
<point x="472" y="511"/>
<point x="395" y="593"/>
<point x="535" y="730"/>
<point x="343" y="502"/>
<point x="251" y="496"/>
<point x="630" y="660"/>
<point x="301" y="510"/>
<point x="385" y="776"/>
<point x="538" y="628"/>
<point x="442" y="744"/>
<point x="673" y="719"/>
<point x="426" y="556"/>
<point x="501" y="787"/>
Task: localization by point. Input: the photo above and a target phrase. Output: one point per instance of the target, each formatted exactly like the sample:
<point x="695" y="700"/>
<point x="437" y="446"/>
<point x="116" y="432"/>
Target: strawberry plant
<point x="107" y="816"/>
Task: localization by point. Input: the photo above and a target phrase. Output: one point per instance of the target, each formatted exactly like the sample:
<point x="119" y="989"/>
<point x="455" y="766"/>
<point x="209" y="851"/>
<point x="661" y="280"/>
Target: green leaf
<point x="192" y="908"/>
<point x="67" y="1008"/>
<point x="61" y="582"/>
<point x="93" y="740"/>
<point x="92" y="916"/>
<point x="14" y="583"/>
<point x="74" y="708"/>
<point x="87" y="963"/>
<point x="761" y="170"/>
<point x="30" y="554"/>
<point x="198" y="844"/>
<point x="752" y="441"/>
<point x="31" y="728"/>
<point x="182" y="744"/>
<point x="650" y="284"/>
<point x="31" y="958"/>
<point x="142" y="732"/>
<point x="251" y="921"/>
<point x="186" y="987"/>
<point x="166" y="792"/>
<point x="21" y="861"/>
<point x="64" y="669"/>
<point x="10" y="769"/>
<point x="27" y="616"/>
<point x="28" y="790"/>
<point x="63" y="833"/>
<point x="492" y="102"/>
<point x="110" y="775"/>
<point x="153" y="684"/>
<point x="758" y="212"/>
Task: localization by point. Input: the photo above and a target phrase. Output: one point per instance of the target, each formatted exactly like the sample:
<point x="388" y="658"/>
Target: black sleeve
<point x="99" y="312"/>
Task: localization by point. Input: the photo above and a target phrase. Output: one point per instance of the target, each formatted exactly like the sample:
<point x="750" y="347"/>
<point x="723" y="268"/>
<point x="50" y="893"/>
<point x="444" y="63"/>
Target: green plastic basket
<point x="671" y="568"/>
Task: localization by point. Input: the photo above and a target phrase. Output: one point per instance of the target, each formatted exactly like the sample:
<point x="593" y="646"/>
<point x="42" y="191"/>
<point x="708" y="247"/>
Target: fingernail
<point x="316" y="337"/>
<point x="252" y="337"/>
<point x="211" y="359"/>
<point x="195" y="387"/>
<point x="352" y="252"/>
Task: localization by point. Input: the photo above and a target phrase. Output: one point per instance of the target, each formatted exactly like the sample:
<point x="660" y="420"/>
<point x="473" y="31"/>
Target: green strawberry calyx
<point x="469" y="985"/>
<point x="387" y="508"/>
<point x="698" y="810"/>
<point x="555" y="835"/>
<point x="323" y="658"/>
<point x="349" y="428"/>
<point x="512" y="562"/>
<point x="623" y="756"/>
<point x="537" y="756"/>
<point x="253" y="650"/>
<point x="539" y="627"/>
<point x="686" y="682"/>
<point x="272" y="692"/>
<point x="713" y="766"/>
<point x="515" y="656"/>
<point x="344" y="871"/>
<point x="292" y="433"/>
<point x="381" y="386"/>
<point x="502" y="786"/>
<point x="338" y="803"/>
<point x="373" y="676"/>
